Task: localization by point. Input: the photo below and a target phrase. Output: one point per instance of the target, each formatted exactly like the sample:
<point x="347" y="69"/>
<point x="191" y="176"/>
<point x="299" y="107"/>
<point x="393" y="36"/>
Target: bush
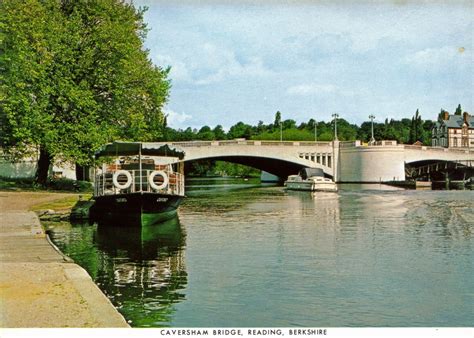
<point x="28" y="183"/>
<point x="66" y="184"/>
<point x="10" y="183"/>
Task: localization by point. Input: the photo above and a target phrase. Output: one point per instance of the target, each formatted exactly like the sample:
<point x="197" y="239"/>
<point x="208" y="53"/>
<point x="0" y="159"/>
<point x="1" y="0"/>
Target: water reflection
<point x="322" y="207"/>
<point x="141" y="243"/>
<point x="364" y="256"/>
<point x="141" y="269"/>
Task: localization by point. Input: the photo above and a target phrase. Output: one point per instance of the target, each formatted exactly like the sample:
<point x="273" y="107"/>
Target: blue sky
<point x="244" y="60"/>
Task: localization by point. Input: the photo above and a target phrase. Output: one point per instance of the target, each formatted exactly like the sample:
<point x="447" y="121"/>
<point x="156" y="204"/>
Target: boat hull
<point x="310" y="186"/>
<point x="135" y="209"/>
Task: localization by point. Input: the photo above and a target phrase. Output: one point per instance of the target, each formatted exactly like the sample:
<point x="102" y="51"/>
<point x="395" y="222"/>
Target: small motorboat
<point x="310" y="179"/>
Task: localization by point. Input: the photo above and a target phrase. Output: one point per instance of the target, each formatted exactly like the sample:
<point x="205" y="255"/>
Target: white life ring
<point x="119" y="185"/>
<point x="152" y="183"/>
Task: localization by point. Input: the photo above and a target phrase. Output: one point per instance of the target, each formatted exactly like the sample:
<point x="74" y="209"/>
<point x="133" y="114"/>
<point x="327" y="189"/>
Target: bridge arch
<point x="276" y="166"/>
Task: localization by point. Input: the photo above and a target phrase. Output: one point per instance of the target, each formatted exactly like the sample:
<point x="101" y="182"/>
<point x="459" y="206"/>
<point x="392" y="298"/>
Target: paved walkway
<point x="38" y="286"/>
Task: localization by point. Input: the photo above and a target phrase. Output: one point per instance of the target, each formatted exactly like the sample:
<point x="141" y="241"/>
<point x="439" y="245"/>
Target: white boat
<point x="310" y="179"/>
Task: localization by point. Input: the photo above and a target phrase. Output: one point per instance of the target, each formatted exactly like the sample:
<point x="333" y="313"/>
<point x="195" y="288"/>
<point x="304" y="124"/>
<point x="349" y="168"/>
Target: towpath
<point x="39" y="287"/>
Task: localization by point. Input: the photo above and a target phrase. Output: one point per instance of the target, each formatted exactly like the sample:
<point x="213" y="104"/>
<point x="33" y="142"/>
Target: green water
<point x="259" y="256"/>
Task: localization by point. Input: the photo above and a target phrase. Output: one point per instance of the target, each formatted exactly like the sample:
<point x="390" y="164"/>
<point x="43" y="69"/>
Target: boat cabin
<point x="139" y="167"/>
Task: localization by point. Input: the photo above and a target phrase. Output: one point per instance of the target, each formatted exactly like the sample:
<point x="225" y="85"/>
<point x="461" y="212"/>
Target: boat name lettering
<point x="121" y="200"/>
<point x="162" y="199"/>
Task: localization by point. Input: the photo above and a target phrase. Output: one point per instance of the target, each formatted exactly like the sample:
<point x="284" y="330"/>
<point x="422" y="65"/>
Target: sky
<point x="241" y="60"/>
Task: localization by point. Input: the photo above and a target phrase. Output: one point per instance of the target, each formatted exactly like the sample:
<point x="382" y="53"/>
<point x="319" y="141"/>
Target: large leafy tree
<point x="74" y="75"/>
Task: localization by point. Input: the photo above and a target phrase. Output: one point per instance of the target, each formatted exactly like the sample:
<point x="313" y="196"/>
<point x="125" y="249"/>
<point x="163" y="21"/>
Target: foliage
<point x="21" y="183"/>
<point x="75" y="75"/>
<point x="240" y="130"/>
<point x="58" y="184"/>
<point x="222" y="168"/>
<point x="277" y="122"/>
<point x="66" y="184"/>
<point x="416" y="129"/>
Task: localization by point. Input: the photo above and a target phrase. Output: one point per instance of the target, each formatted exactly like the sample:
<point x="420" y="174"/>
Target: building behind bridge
<point x="453" y="131"/>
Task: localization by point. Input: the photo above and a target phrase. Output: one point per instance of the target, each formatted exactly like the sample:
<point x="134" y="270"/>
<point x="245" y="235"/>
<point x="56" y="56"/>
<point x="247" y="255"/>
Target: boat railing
<point x="115" y="182"/>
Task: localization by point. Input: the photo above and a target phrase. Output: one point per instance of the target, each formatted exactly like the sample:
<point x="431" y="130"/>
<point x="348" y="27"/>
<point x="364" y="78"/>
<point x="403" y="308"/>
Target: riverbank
<point x="39" y="286"/>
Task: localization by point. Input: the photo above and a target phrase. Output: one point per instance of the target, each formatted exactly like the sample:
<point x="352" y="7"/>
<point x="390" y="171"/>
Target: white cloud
<point x="222" y="64"/>
<point x="311" y="89"/>
<point x="436" y="57"/>
<point x="179" y="70"/>
<point x="209" y="64"/>
<point x="176" y="120"/>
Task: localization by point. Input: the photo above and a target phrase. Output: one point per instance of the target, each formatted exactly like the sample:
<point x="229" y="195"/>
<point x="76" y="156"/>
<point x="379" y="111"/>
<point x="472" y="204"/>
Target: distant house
<point x="453" y="131"/>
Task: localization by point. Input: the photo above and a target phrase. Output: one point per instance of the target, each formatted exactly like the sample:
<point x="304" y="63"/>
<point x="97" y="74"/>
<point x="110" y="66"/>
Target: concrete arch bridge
<point x="278" y="158"/>
<point x="344" y="161"/>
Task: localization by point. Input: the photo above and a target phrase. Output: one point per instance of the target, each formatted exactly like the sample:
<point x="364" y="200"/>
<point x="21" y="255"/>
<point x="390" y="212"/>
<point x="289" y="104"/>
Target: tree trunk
<point x="82" y="173"/>
<point x="42" y="170"/>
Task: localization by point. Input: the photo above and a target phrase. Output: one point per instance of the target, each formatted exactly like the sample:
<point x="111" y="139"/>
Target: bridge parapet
<point x="440" y="149"/>
<point x="249" y="143"/>
<point x="358" y="143"/>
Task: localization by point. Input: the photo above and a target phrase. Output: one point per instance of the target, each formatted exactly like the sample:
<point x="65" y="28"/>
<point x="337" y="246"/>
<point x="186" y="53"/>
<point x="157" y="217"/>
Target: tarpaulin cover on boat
<point x="311" y="172"/>
<point x="119" y="148"/>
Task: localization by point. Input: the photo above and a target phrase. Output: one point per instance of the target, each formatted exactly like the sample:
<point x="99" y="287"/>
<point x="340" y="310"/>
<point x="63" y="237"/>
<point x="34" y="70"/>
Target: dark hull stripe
<point x="135" y="209"/>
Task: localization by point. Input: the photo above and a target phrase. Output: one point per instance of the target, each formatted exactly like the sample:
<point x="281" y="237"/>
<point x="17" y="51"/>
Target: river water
<point x="247" y="255"/>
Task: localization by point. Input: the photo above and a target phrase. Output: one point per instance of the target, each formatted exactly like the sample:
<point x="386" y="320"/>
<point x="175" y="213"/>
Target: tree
<point x="240" y="130"/>
<point x="205" y="134"/>
<point x="416" y="129"/>
<point x="276" y="124"/>
<point x="289" y="124"/>
<point x="75" y="75"/>
<point x="219" y="132"/>
<point x="458" y="110"/>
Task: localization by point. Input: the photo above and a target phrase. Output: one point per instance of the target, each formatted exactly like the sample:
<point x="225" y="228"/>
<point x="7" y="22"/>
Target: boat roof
<point x="311" y="172"/>
<point x="121" y="148"/>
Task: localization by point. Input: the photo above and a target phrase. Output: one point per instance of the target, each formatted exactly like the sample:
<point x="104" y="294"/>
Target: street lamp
<point x="281" y="131"/>
<point x="335" y="125"/>
<point x="315" y="131"/>
<point x="372" y="117"/>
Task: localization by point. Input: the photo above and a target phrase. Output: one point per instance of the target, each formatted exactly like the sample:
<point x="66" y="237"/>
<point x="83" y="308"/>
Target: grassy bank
<point x="63" y="204"/>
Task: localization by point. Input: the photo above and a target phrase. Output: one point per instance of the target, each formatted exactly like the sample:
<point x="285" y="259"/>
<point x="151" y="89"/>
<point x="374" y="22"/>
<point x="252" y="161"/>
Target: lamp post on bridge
<point x="372" y="117"/>
<point x="281" y="131"/>
<point x="315" y="131"/>
<point x="335" y="115"/>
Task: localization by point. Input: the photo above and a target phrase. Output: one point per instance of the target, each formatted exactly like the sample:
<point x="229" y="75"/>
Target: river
<point x="243" y="254"/>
